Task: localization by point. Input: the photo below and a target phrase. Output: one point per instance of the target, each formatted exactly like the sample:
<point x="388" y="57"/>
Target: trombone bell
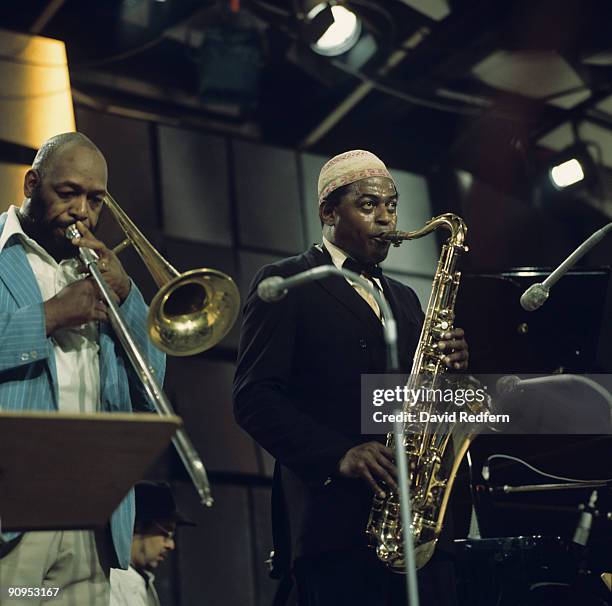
<point x="193" y="312"/>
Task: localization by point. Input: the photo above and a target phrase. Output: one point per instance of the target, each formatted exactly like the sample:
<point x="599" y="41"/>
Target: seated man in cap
<point x="156" y="520"/>
<point x="297" y="392"/>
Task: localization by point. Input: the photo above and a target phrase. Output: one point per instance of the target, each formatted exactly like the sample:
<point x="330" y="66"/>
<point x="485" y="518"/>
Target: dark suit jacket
<point x="297" y="392"/>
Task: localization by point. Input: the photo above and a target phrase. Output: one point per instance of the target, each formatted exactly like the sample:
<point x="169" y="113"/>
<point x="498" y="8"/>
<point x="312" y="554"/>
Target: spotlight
<point x="571" y="168"/>
<point x="567" y="173"/>
<point x="340" y="35"/>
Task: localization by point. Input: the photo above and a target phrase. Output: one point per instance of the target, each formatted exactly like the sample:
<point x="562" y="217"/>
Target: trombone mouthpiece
<point x="72" y="232"/>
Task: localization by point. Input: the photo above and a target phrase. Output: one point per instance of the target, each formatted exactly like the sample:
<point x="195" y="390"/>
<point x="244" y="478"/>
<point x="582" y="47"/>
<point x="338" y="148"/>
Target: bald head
<point x="54" y="147"/>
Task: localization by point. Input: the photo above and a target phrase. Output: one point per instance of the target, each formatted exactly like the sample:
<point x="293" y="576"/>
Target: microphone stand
<point x="506" y="489"/>
<point x="536" y="295"/>
<point x="516" y="384"/>
<point x="412" y="587"/>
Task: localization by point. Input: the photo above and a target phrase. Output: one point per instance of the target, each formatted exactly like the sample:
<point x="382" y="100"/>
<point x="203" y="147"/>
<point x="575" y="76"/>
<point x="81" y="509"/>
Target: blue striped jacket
<point x="28" y="377"/>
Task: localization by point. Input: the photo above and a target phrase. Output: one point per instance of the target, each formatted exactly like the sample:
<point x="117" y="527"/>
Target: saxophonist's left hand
<point x="455" y="348"/>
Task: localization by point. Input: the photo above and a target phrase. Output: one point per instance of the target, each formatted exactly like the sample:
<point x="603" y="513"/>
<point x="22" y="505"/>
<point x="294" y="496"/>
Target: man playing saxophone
<point x="297" y="392"/>
<point x="58" y="353"/>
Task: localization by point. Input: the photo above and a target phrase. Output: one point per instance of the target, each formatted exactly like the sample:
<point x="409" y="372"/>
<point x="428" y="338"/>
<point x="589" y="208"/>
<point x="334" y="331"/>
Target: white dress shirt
<point x="76" y="349"/>
<point x="129" y="588"/>
<point x="338" y="258"/>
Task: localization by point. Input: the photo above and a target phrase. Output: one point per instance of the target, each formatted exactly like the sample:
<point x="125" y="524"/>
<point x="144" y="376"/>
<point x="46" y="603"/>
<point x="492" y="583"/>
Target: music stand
<point x="70" y="471"/>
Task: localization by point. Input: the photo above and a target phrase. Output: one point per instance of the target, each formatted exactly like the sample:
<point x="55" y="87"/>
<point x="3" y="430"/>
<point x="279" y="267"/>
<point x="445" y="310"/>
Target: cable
<point x="538" y="471"/>
<point x="466" y="111"/>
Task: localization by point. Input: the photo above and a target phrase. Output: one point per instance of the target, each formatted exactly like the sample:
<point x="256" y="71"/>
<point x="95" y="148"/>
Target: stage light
<point x="341" y="35"/>
<point x="570" y="174"/>
<point x="572" y="168"/>
<point x="567" y="173"/>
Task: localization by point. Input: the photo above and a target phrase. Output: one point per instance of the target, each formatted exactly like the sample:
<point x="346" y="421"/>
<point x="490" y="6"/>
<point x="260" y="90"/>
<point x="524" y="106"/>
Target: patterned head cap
<point x="347" y="168"/>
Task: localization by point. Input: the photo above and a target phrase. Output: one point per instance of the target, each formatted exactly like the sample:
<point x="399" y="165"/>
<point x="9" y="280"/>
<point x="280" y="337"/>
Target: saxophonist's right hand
<point x="372" y="462"/>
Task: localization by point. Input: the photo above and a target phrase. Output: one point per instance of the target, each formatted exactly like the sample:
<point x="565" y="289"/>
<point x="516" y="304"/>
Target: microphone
<point x="511" y="384"/>
<point x="275" y="288"/>
<point x="507" y="385"/>
<point x="535" y="296"/>
<point x="583" y="530"/>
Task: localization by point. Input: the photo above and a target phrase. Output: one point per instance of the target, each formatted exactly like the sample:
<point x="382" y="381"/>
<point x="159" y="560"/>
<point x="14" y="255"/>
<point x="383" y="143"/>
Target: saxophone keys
<point x="433" y="351"/>
<point x="446" y="315"/>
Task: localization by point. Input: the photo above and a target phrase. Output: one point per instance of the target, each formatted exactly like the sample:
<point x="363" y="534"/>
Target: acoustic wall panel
<point x="201" y="390"/>
<point x="216" y="556"/>
<point x="250" y="264"/>
<point x="195" y="186"/>
<point x="311" y="167"/>
<point x="11" y="184"/>
<point x="268" y="197"/>
<point x="186" y="255"/>
<point x="421" y="285"/>
<point x="127" y="146"/>
<point x="166" y="577"/>
<point x="414" y="209"/>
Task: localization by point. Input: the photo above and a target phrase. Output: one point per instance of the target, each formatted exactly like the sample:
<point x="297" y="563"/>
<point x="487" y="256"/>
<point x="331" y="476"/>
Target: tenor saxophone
<point x="433" y="455"/>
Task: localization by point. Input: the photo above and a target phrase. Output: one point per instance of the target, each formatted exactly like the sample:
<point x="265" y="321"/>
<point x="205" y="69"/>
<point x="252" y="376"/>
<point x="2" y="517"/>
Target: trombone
<point x="190" y="313"/>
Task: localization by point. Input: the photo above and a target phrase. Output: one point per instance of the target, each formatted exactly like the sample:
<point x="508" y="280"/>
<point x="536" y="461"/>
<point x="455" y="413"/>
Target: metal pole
<point x="412" y="587"/>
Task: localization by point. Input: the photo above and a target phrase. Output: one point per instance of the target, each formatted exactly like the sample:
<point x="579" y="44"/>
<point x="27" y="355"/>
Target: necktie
<point x="368" y="269"/>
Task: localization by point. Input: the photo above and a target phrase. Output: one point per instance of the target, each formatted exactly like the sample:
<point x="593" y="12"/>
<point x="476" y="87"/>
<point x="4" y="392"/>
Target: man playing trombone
<point x="58" y="351"/>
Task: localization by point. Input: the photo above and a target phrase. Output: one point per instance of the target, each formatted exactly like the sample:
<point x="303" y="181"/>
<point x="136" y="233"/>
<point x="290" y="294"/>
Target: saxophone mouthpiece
<point x="391" y="236"/>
